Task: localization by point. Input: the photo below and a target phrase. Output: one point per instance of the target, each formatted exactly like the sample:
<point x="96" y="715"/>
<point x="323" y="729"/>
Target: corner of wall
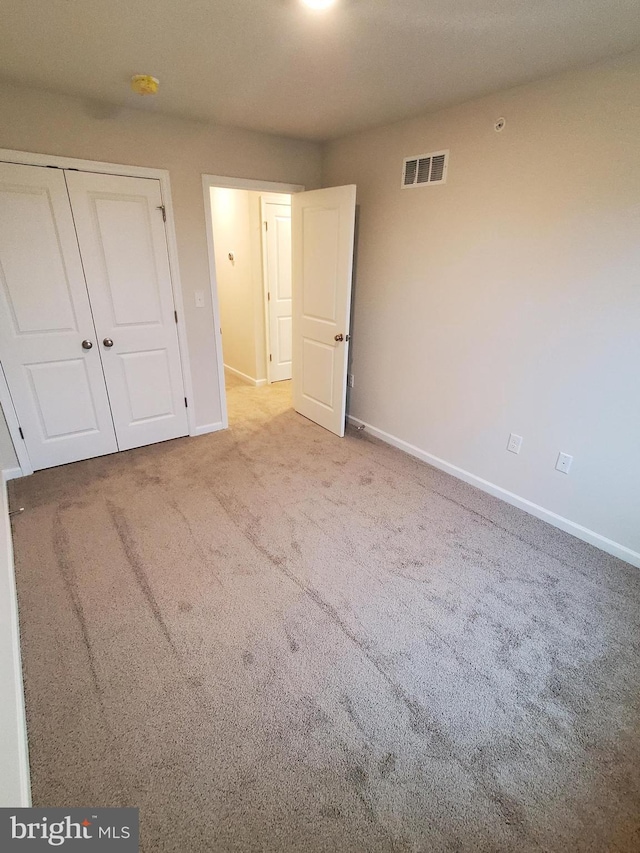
<point x="15" y="790"/>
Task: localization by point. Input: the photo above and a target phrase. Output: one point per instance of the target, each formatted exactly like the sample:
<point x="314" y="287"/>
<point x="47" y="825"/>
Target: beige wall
<point x="506" y="300"/>
<point x="235" y="216"/>
<point x="53" y="124"/>
<point x="509" y="298"/>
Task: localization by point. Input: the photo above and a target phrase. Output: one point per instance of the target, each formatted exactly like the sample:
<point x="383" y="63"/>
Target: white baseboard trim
<point x="577" y="530"/>
<point x="257" y="383"/>
<point x="205" y="428"/>
<point x="11" y="473"/>
<point x="15" y="786"/>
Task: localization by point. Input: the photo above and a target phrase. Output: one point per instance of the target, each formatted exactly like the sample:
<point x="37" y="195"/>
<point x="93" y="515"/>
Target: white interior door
<point x="120" y="230"/>
<point x="322" y="227"/>
<point x="57" y="385"/>
<point x="277" y="268"/>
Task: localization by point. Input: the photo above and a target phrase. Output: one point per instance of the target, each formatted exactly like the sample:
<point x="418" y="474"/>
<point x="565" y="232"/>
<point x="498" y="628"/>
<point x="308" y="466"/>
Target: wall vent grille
<point x="425" y="169"/>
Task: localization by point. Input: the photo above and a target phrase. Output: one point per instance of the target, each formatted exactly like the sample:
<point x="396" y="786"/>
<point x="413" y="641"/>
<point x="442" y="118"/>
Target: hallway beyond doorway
<point x="247" y="404"/>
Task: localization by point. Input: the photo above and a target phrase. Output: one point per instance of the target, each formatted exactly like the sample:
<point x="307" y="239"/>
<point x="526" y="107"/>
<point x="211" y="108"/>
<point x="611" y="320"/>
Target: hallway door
<point x="277" y="270"/>
<point x="322" y="235"/>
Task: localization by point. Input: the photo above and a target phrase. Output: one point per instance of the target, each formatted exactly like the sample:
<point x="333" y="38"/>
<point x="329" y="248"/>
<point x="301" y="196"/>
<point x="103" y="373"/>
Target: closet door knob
<point x="86" y="344"/>
<point x="107" y="342"/>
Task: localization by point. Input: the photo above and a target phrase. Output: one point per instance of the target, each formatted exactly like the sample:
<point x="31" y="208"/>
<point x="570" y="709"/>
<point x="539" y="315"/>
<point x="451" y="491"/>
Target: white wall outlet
<point x="350" y="380"/>
<point x="564" y="462"/>
<point x="199" y="298"/>
<point x="515" y="443"/>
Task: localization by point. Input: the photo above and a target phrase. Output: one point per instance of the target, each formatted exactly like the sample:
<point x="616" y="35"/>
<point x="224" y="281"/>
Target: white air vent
<point x="425" y="169"/>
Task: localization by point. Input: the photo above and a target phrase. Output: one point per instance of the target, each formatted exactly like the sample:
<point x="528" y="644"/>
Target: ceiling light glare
<point x="318" y="4"/>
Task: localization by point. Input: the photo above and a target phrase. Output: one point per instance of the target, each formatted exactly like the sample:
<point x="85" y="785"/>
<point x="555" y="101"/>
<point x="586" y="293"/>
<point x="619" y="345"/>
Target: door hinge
<point x="21" y="433"/>
<point x="270" y="357"/>
<point x="186" y="405"/>
<point x="268" y="297"/>
<point x="164" y="212"/>
<point x="175" y="315"/>
<point x="266" y="226"/>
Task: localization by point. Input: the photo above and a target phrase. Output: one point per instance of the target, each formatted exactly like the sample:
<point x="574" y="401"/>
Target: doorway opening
<point x="250" y="240"/>
<point x="252" y="249"/>
<point x="285" y="297"/>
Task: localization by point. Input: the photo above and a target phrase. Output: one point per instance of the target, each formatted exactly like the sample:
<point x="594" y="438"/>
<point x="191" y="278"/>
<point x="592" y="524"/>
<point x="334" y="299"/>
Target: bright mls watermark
<point x="103" y="830"/>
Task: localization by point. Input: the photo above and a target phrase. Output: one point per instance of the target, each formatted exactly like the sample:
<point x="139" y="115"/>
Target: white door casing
<point x="277" y="273"/>
<point x="322" y="236"/>
<point x="120" y="228"/>
<point x="57" y="386"/>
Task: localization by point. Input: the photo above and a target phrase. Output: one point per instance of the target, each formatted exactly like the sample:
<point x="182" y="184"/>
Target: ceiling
<point x="276" y="66"/>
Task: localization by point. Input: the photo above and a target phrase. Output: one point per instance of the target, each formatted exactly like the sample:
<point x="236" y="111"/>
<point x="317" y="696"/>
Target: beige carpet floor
<point x="272" y="639"/>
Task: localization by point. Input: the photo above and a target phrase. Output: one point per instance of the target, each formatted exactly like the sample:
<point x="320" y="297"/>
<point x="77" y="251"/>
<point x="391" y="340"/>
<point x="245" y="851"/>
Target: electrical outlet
<point x="350" y="380"/>
<point x="515" y="443"/>
<point x="564" y="462"/>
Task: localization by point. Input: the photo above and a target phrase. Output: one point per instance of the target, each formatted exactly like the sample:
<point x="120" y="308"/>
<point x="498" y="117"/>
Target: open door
<point x="322" y="234"/>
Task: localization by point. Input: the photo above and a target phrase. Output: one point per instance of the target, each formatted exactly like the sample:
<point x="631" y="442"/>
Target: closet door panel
<point x="121" y="233"/>
<point x="57" y="385"/>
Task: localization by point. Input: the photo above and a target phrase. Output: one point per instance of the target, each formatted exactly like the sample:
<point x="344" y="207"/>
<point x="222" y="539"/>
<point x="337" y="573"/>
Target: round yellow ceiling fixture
<point x="144" y="84"/>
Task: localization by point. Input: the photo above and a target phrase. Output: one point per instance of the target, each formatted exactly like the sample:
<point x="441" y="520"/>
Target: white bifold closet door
<point x="88" y="338"/>
<point x="56" y="385"/>
<point x="120" y="230"/>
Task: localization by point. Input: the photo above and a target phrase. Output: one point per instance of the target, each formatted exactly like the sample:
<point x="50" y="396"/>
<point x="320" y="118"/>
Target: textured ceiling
<point x="276" y="66"/>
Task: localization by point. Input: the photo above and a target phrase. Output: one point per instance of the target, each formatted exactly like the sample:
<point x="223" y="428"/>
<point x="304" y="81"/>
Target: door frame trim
<point x="227" y="182"/>
<point x="26" y="158"/>
<point x="11" y="418"/>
